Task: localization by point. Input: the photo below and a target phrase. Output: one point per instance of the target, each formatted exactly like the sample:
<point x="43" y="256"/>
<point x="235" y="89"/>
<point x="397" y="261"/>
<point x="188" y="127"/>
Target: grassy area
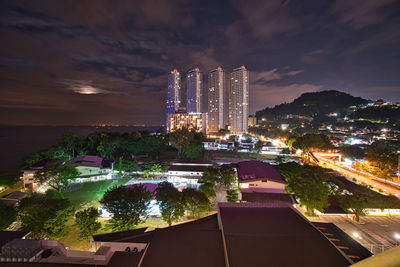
<point x="16" y="187"/>
<point x="89" y="194"/>
<point x="73" y="241"/>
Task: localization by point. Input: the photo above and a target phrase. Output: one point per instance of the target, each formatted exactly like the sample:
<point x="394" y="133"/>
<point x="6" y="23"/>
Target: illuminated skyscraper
<point x="173" y="92"/>
<point x="216" y="79"/>
<point x="239" y="100"/>
<point x="194" y="91"/>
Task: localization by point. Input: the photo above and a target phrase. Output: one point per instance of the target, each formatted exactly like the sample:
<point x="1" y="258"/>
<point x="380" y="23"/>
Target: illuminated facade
<point x="239" y="100"/>
<point x="179" y="120"/>
<point x="216" y="80"/>
<point x="173" y="92"/>
<point x="194" y="91"/>
<point x="252" y="121"/>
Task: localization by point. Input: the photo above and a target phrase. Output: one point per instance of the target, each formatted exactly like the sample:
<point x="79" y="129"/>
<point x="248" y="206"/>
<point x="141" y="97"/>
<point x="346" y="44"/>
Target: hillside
<point x="314" y="104"/>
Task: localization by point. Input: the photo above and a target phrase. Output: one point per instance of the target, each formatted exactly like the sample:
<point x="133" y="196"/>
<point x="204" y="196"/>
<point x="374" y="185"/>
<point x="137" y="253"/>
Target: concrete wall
<point x="267" y="186"/>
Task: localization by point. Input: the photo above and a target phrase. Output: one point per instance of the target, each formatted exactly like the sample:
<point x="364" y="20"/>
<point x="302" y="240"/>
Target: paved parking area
<point x="376" y="233"/>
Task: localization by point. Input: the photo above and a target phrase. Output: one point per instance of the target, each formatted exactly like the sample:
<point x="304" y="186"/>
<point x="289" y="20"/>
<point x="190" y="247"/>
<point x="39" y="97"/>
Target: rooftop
<point x="242" y="234"/>
<point x="197" y="243"/>
<point x="257" y="170"/>
<point x="348" y="245"/>
<point x="7" y="236"/>
<point x="88" y="161"/>
<point x="41" y="164"/>
<point x="260" y="234"/>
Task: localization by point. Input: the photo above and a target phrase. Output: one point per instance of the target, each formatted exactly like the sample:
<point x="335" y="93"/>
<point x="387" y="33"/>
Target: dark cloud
<point x="96" y="62"/>
<point x="271" y="75"/>
<point x="314" y="56"/>
<point x="263" y="19"/>
<point x="360" y="13"/>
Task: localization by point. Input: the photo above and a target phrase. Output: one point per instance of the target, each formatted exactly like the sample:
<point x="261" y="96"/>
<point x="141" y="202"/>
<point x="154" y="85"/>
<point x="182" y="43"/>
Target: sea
<point x="17" y="142"/>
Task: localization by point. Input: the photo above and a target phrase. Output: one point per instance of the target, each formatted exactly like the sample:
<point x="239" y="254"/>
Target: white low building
<point x="92" y="168"/>
<point x="180" y="169"/>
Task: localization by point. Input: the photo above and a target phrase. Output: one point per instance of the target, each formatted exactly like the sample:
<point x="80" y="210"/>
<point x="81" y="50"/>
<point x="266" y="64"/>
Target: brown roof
<point x="123" y="259"/>
<point x="7" y="236"/>
<point x="261" y="234"/>
<point x="193" y="244"/>
<point x="247" y="234"/>
<point x="253" y="170"/>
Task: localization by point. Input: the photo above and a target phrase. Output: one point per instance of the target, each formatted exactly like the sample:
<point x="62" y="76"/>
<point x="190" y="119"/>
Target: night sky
<point x="105" y="62"/>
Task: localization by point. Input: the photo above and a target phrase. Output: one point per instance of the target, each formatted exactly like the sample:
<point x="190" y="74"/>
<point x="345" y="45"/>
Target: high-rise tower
<point x="194" y="91"/>
<point x="239" y="100"/>
<point x="216" y="80"/>
<point x="173" y="92"/>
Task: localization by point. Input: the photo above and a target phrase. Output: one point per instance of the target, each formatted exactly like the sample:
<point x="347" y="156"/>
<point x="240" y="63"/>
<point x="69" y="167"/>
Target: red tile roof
<point x="257" y="170"/>
<point x="88" y="161"/>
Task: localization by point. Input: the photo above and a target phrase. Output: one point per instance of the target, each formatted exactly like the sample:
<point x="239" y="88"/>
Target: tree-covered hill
<point x="388" y="113"/>
<point x="313" y="104"/>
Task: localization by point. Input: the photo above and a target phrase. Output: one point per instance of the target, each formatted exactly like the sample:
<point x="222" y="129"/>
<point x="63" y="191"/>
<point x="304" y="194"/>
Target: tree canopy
<point x="154" y="167"/>
<point x="172" y="206"/>
<point x="308" y="142"/>
<point x="310" y="190"/>
<point x="57" y="175"/>
<point x="86" y="220"/>
<point x="217" y="178"/>
<point x="7" y="215"/>
<point x="349" y="194"/>
<point x="188" y="143"/>
<point x="353" y="152"/>
<point x="128" y="205"/>
<point x="196" y="202"/>
<point x="44" y="217"/>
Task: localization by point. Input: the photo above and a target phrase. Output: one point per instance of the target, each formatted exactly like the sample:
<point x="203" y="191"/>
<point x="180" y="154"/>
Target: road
<point x="327" y="163"/>
<point x="376" y="233"/>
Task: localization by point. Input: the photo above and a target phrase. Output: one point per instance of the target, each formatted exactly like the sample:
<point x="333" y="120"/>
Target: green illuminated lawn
<point x="89" y="194"/>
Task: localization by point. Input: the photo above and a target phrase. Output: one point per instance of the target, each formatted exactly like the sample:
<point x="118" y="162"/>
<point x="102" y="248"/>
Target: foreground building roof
<point x="268" y="234"/>
<point x="7" y="236"/>
<point x="240" y="234"/>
